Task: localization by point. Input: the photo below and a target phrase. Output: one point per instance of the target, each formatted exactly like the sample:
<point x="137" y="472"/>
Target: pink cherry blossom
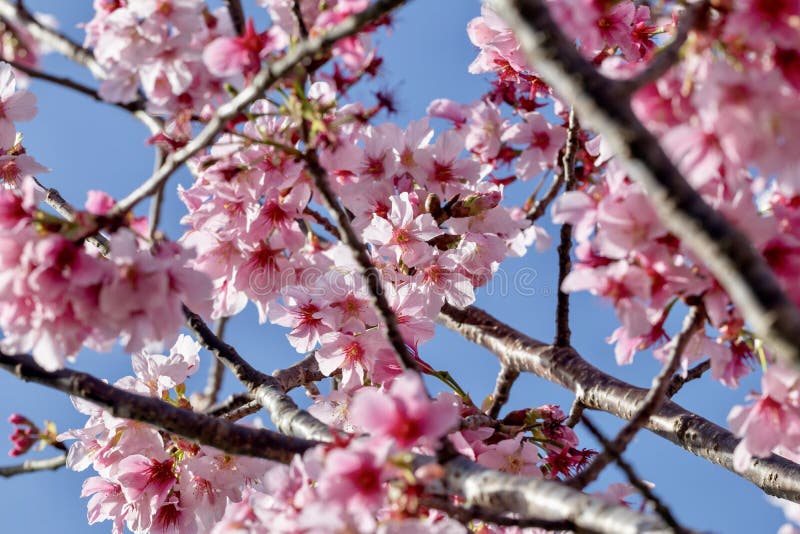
<point x="404" y="234"/>
<point x="404" y="412"/>
<point x="542" y="140"/>
<point x="14" y="106"/>
<point x="773" y="419"/>
<point x="512" y="456"/>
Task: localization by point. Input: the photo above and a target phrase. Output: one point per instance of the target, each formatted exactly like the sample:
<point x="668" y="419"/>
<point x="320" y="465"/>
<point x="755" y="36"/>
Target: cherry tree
<point x="657" y="136"/>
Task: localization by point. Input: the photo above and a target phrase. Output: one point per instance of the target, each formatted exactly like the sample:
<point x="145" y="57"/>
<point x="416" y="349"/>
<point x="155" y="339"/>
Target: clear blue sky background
<point x="92" y="146"/>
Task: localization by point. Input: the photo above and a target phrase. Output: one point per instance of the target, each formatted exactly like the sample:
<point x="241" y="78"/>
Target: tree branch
<point x="602" y="104"/>
<point x="669" y="55"/>
<point x="267" y="390"/>
<point x="216" y="370"/>
<point x="367" y="270"/>
<point x="266" y="77"/>
<point x="68" y="83"/>
<point x="678" y="381"/>
<point x="502" y="389"/>
<point x="600" y="391"/>
<point x="31" y="466"/>
<point x="543" y="499"/>
<point x="304" y="372"/>
<point x="156" y="203"/>
<point x="198" y="427"/>
<point x="18" y="13"/>
<point x="563" y="333"/>
<point x="538" y="209"/>
<point x="54" y="199"/>
<point x="635" y="480"/>
<point x="649" y="405"/>
<point x="298" y="14"/>
<point x="237" y="14"/>
<point x="468" y="515"/>
<point x="230" y="404"/>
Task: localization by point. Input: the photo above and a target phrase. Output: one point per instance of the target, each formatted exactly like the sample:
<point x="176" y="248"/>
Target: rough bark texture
<point x="603" y="104"/>
<point x="600" y="391"/>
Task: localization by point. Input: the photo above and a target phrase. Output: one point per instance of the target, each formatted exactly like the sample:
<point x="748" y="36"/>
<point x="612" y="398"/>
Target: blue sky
<point x="92" y="146"/>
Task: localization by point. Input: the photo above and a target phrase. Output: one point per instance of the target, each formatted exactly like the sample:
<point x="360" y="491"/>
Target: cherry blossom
<point x="404" y="413"/>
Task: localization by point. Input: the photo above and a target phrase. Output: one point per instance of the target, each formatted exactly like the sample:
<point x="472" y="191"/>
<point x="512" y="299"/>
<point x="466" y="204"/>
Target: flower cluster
<point x="58" y="295"/>
<point x="148" y="480"/>
<point x="156" y="45"/>
<point x="430" y="216"/>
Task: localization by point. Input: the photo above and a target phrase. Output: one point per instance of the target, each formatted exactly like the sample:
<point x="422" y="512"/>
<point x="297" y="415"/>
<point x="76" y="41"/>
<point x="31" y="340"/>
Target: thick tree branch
<point x="198" y="427"/>
<point x="544" y="500"/>
<point x="31" y="466"/>
<point x="267" y="390"/>
<point x="306" y="371"/>
<point x="649" y="405"/>
<point x="602" y="104"/>
<point x="600" y="391"/>
<point x="531" y="498"/>
<point x="470" y="515"/>
<point x="266" y="77"/>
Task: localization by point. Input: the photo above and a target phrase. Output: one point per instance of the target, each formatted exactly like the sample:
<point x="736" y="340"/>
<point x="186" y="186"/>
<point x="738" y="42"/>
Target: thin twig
<point x="266" y="77"/>
<point x="158" y="196"/>
<point x="650" y="405"/>
<point x="323" y="221"/>
<point x="301" y="24"/>
<point x="563" y="333"/>
<point x="216" y="371"/>
<point x="502" y="389"/>
<point x="32" y="466"/>
<point x="575" y="413"/>
<point x="237" y="14"/>
<point x="538" y="209"/>
<point x="54" y="199"/>
<point x="71" y="84"/>
<point x="371" y="275"/>
<point x="635" y="480"/>
<point x="240" y="412"/>
<point x="230" y="404"/>
<point x="678" y="381"/>
<point x="669" y="55"/>
<point x="602" y="104"/>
